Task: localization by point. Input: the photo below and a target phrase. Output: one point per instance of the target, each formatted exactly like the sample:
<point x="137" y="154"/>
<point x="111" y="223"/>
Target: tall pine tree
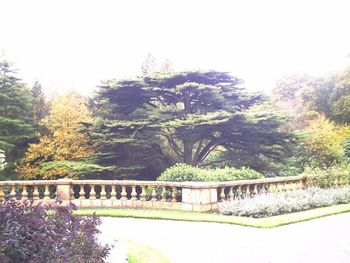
<point x="40" y="107"/>
<point x="16" y="118"/>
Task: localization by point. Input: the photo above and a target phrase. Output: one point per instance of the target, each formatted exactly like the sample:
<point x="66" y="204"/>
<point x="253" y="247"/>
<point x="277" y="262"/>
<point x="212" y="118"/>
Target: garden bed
<point x="272" y="204"/>
<point x="268" y="222"/>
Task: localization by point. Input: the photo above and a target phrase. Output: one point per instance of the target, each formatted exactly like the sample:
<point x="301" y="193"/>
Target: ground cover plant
<point x="271" y="204"/>
<point x="48" y="234"/>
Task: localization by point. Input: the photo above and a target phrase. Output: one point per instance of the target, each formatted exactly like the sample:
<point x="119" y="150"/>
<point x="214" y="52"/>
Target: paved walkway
<point x="324" y="240"/>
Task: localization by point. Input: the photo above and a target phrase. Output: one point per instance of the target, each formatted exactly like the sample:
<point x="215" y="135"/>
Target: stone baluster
<point x="255" y="189"/>
<point x="154" y="194"/>
<point x="283" y="186"/>
<point x="163" y="194"/>
<point x="2" y="195"/>
<point x="81" y="192"/>
<point x="13" y="192"/>
<point x="24" y="193"/>
<point x="173" y="195"/>
<point x="36" y="193"/>
<point x="72" y="196"/>
<point x="47" y="193"/>
<point x="267" y="188"/>
<point x="222" y="194"/>
<point x="113" y="192"/>
<point x="123" y="193"/>
<point x="92" y="192"/>
<point x="278" y="187"/>
<point x="273" y="188"/>
<point x="247" y="190"/>
<point x="133" y="193"/>
<point x="143" y="194"/>
<point x="103" y="192"/>
<point x="231" y="194"/>
<point x="286" y="186"/>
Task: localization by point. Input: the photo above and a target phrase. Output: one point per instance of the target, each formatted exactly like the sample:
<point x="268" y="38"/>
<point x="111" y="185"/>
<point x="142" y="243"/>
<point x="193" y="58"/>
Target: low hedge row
<point x="183" y="172"/>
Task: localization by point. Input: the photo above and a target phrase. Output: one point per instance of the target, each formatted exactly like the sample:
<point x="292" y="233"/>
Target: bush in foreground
<point x="182" y="172"/>
<point x="47" y="234"/>
<point x="271" y="204"/>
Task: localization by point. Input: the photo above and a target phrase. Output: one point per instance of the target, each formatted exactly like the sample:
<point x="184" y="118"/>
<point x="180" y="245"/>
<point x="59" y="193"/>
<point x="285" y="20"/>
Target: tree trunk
<point x="187" y="151"/>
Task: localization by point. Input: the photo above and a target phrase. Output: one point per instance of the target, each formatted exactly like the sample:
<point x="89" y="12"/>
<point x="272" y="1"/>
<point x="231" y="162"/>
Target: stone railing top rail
<point x="197" y="185"/>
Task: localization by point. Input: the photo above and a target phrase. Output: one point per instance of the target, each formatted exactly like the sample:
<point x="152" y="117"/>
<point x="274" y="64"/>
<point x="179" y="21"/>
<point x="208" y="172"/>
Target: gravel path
<point x="321" y="240"/>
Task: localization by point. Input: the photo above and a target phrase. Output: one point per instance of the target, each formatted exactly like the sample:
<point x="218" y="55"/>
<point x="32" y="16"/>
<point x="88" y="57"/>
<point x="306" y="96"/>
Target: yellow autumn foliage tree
<point x="63" y="141"/>
<point x="323" y="142"/>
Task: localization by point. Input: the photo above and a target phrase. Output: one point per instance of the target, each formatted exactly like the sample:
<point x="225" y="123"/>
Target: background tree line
<point x="137" y="128"/>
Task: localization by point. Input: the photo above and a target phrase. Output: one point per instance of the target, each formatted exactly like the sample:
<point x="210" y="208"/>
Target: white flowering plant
<point x="271" y="204"/>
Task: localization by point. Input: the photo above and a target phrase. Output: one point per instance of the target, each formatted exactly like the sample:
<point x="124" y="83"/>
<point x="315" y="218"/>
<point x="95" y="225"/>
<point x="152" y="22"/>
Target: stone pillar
<point x="64" y="191"/>
<point x="303" y="183"/>
<point x="199" y="199"/>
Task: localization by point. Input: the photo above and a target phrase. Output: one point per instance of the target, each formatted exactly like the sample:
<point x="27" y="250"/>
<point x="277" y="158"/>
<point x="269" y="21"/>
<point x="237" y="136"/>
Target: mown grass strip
<point x="268" y="222"/>
<point x="140" y="253"/>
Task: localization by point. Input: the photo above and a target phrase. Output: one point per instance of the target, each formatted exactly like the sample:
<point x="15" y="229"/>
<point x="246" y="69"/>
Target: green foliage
<point x="322" y="143"/>
<point x="272" y="204"/>
<point x="339" y="99"/>
<point x="140" y="253"/>
<point x="182" y="173"/>
<point x="290" y="167"/>
<point x="64" y="140"/>
<point x="149" y="123"/>
<point x="332" y="176"/>
<point x="40" y="107"/>
<point x="347" y="149"/>
<point x="329" y="95"/>
<point x="16" y="117"/>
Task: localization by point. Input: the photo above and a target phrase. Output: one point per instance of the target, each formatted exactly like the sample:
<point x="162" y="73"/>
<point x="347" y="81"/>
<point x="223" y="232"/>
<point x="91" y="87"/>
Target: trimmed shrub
<point x="330" y="177"/>
<point x="182" y="172"/>
<point x="47" y="234"/>
<point x="271" y="204"/>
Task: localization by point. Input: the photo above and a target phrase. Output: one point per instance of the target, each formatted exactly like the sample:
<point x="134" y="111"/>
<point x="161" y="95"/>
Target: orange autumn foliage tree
<point x="63" y="141"/>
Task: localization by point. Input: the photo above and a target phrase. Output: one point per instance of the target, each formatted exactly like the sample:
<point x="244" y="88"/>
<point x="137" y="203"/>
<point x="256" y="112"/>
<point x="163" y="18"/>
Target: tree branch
<point x="173" y="145"/>
<point x="206" y="150"/>
<point x="199" y="147"/>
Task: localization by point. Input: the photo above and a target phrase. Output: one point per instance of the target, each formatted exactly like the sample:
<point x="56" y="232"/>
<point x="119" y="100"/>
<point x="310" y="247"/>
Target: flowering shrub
<point x="182" y="172"/>
<point x="47" y="234"/>
<point x="271" y="204"/>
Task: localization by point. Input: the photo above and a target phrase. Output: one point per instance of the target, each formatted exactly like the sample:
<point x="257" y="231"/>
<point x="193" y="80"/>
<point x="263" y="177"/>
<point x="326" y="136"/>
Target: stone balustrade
<point x="186" y="196"/>
<point x="246" y="188"/>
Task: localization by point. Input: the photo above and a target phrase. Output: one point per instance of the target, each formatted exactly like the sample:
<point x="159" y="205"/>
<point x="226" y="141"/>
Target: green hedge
<point x="183" y="172"/>
<point x="330" y="177"/>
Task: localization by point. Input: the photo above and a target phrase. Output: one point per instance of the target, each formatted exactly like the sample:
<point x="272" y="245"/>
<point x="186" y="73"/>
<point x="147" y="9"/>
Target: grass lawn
<point x="268" y="222"/>
<point x="139" y="253"/>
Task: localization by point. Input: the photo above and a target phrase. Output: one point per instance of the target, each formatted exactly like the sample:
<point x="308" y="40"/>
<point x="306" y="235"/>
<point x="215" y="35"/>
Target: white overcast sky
<point x="75" y="44"/>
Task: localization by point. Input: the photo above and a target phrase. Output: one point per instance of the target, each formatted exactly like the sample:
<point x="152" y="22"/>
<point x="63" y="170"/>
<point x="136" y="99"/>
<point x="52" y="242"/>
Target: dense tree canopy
<point x="16" y="117"/>
<point x="164" y="118"/>
<point x="63" y="143"/>
<point x="321" y="117"/>
<point x="329" y="95"/>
